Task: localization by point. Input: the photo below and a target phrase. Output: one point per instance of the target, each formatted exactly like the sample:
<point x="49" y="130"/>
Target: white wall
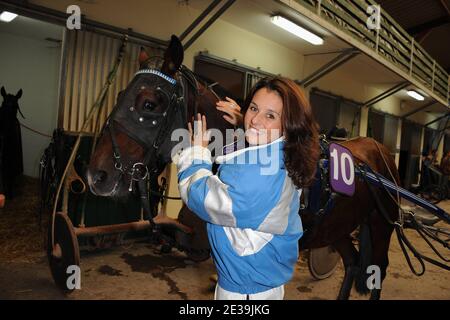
<point x="227" y="41"/>
<point x="32" y="65"/>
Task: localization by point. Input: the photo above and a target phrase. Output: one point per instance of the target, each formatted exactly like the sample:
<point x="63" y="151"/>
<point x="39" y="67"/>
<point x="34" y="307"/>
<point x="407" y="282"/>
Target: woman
<point x="252" y="212"/>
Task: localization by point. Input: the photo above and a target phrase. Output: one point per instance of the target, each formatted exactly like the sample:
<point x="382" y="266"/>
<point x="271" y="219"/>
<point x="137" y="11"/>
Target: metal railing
<point x="389" y="41"/>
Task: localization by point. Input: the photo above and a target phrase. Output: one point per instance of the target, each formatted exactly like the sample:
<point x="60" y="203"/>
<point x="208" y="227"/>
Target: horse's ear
<point x="3" y="92"/>
<point x="19" y="94"/>
<point x="143" y="58"/>
<point x="173" y="57"/>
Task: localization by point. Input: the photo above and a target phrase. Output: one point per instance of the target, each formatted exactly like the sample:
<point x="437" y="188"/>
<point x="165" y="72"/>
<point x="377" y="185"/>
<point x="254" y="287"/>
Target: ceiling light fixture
<point x="7" y="16"/>
<point x="415" y="95"/>
<point x="297" y="30"/>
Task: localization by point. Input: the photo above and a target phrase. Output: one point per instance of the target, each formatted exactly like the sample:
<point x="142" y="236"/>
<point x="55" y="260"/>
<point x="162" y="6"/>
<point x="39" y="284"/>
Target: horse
<point x="11" y="141"/>
<point x="139" y="122"/>
<point x="336" y="225"/>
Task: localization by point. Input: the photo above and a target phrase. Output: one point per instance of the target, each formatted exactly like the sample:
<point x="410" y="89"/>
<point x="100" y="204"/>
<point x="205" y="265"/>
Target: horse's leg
<point x="381" y="237"/>
<point x="350" y="258"/>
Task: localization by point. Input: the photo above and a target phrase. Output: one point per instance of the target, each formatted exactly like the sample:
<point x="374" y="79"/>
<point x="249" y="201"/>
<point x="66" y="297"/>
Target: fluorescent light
<point x="415" y="95"/>
<point x="7" y="16"/>
<point x="297" y="30"/>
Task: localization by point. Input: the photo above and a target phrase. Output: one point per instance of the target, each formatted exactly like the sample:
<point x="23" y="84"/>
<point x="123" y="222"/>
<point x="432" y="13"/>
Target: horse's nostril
<point x="99" y="176"/>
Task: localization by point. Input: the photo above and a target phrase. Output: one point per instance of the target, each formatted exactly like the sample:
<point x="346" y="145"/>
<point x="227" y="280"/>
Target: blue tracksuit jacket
<point x="251" y="209"/>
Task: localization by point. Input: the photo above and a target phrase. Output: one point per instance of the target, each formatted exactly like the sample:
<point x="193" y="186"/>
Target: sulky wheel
<point x="322" y="262"/>
<point x="65" y="251"/>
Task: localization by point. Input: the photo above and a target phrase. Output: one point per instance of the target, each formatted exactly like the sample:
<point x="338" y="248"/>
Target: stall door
<point x="376" y="126"/>
<point x="349" y="118"/>
<point x="429" y="140"/>
<point x="409" y="154"/>
<point x="325" y="111"/>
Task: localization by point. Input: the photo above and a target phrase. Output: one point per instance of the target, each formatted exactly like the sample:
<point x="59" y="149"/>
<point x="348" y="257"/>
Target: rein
<point x="399" y="224"/>
<point x="399" y="229"/>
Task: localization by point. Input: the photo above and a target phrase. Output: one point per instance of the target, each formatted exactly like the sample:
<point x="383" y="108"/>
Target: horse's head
<point x="10" y="104"/>
<point x="137" y="135"/>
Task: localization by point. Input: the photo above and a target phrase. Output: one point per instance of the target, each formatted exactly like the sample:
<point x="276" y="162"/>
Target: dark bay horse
<point x="137" y="134"/>
<point x="11" y="162"/>
<point x="360" y="210"/>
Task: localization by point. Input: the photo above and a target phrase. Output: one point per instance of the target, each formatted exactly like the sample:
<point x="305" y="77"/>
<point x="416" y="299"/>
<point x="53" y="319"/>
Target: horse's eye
<point x="148" y="105"/>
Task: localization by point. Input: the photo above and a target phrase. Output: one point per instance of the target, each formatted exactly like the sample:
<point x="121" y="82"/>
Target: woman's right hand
<point x="232" y="111"/>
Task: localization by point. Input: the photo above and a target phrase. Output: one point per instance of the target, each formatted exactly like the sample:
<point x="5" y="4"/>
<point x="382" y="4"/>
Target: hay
<point x="21" y="239"/>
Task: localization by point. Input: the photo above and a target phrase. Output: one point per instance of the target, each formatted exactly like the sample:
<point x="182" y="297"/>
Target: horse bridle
<point x="139" y="171"/>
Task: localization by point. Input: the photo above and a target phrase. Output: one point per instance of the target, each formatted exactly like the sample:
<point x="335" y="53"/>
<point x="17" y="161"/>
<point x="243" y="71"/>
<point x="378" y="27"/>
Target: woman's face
<point x="262" y="120"/>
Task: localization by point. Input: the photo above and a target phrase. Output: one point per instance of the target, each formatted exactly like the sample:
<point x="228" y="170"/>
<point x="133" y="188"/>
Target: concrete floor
<point x="138" y="271"/>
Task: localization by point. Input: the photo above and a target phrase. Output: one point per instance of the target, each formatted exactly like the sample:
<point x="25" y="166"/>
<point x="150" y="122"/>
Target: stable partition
<point x="87" y="61"/>
<point x="331" y="110"/>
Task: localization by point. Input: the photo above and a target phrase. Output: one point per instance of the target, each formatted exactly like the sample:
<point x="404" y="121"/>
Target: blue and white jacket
<point x="251" y="209"/>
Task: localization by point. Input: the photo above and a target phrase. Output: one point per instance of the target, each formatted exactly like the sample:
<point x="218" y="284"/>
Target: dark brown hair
<point x="301" y="131"/>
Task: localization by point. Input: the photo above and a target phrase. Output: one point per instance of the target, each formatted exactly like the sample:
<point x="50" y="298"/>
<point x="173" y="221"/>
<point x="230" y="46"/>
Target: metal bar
<point x="432" y="79"/>
<point x="63" y="67"/>
<point x="329" y="66"/>
<point x="391" y="187"/>
<point x="87" y="82"/>
<point x="95" y="73"/>
<point x="131" y="226"/>
<point x="331" y="95"/>
<point x="69" y="108"/>
<point x="329" y="52"/>
<point x="380" y="181"/>
<point x="80" y="67"/>
<point x="108" y="229"/>
<point x="418" y="109"/>
<point x="233" y="65"/>
<point x="437" y="119"/>
<point x="411" y="57"/>
<point x="199" y="19"/>
<point x="448" y="89"/>
<point x="304" y="8"/>
<point x="208" y="23"/>
<point x="386" y="94"/>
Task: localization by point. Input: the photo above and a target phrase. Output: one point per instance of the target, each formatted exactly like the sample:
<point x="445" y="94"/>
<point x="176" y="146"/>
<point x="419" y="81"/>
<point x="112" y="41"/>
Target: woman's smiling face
<point x="262" y="120"/>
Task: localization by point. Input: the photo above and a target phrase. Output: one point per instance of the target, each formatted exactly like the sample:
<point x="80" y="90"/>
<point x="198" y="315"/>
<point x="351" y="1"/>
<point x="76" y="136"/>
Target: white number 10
<point x="347" y="177"/>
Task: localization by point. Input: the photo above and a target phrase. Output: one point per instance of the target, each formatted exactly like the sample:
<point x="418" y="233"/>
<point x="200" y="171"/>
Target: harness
<point x="319" y="198"/>
<point x="176" y="96"/>
<point x="138" y="171"/>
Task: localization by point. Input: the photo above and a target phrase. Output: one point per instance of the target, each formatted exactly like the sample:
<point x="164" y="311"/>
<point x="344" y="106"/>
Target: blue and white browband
<point x="158" y="73"/>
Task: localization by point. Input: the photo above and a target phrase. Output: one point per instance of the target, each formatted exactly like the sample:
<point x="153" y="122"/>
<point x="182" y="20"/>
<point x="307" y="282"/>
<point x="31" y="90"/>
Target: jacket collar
<point x="229" y="156"/>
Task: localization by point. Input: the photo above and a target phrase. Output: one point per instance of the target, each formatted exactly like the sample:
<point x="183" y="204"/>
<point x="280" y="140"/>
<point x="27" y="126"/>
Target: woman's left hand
<point x="232" y="111"/>
<point x="200" y="135"/>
